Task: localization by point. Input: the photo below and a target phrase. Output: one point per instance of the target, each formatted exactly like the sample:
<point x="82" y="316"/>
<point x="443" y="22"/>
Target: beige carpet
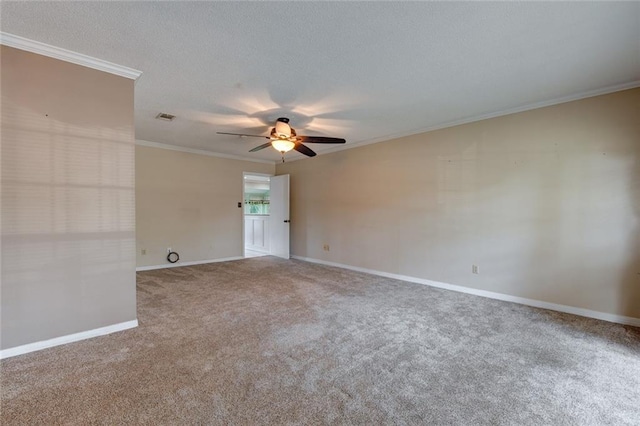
<point x="270" y="341"/>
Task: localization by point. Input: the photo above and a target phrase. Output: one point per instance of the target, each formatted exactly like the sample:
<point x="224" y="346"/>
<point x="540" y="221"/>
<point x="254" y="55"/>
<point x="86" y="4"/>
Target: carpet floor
<point x="272" y="341"/>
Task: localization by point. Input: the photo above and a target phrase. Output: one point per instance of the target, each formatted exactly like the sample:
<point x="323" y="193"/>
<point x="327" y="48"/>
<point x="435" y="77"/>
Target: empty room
<point x="308" y="213"/>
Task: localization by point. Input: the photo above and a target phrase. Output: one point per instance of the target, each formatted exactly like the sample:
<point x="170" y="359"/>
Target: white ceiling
<point x="362" y="71"/>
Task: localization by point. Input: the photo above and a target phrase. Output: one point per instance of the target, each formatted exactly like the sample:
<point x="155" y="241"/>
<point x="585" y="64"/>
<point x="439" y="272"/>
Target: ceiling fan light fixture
<point x="282" y="145"/>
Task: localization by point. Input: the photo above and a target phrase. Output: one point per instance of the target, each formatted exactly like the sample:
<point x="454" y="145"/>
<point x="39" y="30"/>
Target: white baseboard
<point x="62" y="340"/>
<point x="179" y="264"/>
<point x="620" y="319"/>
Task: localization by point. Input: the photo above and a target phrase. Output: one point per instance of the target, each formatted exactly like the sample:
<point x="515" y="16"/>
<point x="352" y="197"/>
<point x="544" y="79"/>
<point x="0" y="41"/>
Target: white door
<point x="279" y="212"/>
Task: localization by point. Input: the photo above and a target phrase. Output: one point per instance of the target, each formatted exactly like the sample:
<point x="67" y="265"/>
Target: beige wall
<point x="68" y="248"/>
<point x="189" y="202"/>
<point x="545" y="202"/>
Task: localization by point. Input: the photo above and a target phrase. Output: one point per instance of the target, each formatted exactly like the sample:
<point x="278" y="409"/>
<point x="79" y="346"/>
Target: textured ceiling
<point x="362" y="71"/>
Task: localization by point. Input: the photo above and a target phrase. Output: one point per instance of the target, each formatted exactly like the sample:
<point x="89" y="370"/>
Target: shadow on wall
<point x="630" y="281"/>
<point x="587" y="246"/>
<point x="583" y="179"/>
<point x="68" y="231"/>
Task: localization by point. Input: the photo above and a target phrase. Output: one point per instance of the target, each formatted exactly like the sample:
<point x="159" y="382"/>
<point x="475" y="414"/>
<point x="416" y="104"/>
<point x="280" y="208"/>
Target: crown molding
<point x="142" y="142"/>
<point x="527" y="107"/>
<point x="43" y="49"/>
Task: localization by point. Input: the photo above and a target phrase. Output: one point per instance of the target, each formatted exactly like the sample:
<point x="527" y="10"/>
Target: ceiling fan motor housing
<point x="282" y="129"/>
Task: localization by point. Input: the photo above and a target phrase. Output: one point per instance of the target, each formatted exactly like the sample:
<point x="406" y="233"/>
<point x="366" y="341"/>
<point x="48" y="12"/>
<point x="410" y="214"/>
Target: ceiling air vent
<point x="166" y="117"/>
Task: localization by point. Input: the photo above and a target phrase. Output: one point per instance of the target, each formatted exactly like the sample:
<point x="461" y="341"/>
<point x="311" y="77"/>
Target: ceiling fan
<point x="283" y="139"/>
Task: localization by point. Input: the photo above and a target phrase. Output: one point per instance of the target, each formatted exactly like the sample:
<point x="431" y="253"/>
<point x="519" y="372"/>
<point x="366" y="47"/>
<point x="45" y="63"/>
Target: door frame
<point x="244" y="174"/>
<point x="279" y="232"/>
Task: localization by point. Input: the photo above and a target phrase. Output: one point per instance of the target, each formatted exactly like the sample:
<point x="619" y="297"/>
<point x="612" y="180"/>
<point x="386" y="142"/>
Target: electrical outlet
<point x="143" y="251"/>
<point x="325" y="247"/>
<point x="475" y="269"/>
<point x="169" y="250"/>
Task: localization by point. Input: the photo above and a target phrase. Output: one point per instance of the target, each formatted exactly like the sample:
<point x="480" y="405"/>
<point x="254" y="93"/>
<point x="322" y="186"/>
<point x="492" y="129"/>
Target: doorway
<point x="265" y="210"/>
<point x="256" y="205"/>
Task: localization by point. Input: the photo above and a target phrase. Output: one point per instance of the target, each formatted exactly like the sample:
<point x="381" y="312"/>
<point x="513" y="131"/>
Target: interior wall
<point x="189" y="202"/>
<point x="545" y="202"/>
<point x="68" y="248"/>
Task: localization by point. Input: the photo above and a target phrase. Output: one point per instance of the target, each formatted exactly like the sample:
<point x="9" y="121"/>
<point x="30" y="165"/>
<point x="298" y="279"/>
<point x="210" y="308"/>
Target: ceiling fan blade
<point x="242" y="134"/>
<point x="304" y="150"/>
<point x="320" y="139"/>
<point x="263" y="146"/>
